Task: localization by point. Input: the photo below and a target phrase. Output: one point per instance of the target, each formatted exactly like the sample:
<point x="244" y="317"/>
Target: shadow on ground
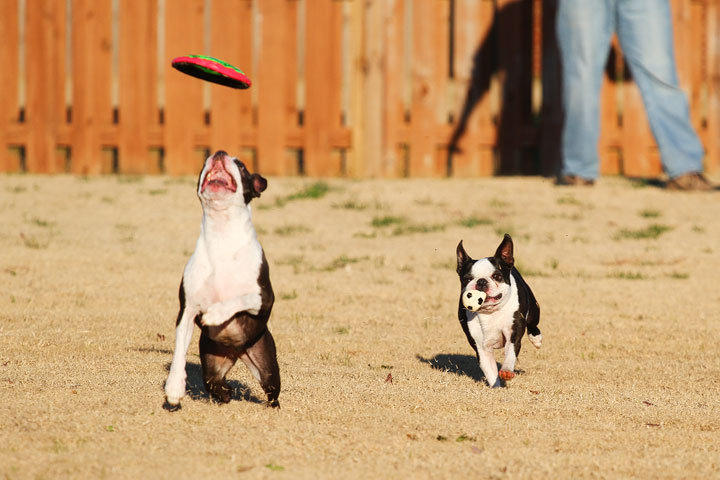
<point x="195" y="389"/>
<point x="466" y="365"/>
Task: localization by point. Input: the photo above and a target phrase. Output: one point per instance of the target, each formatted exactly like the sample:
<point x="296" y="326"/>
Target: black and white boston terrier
<point x="226" y="288"/>
<point x="495" y="308"/>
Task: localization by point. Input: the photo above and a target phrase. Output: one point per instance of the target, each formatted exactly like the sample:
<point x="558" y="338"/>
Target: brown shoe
<point x="574" y="180"/>
<point x="690" y="182"/>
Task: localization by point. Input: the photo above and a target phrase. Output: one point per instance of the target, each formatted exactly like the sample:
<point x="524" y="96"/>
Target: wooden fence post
<point x="8" y="79"/>
<point x="271" y="128"/>
<point x="231" y="40"/>
<point x="92" y="70"/>
<point x="183" y="112"/>
<point x="429" y="75"/>
<point x="322" y="68"/>
<point x="44" y="66"/>
<point x="138" y="84"/>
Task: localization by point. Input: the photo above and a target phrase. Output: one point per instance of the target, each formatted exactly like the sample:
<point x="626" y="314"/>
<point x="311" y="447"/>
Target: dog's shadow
<point x="463" y="365"/>
<point x="195" y="387"/>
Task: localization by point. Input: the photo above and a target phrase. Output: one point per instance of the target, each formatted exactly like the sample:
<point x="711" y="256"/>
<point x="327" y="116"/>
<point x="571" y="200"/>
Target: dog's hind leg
<point x="533" y="319"/>
<point x="261" y="360"/>
<point x="216" y="361"/>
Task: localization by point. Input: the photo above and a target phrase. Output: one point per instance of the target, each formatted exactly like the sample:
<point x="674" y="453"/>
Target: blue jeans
<point x="644" y="28"/>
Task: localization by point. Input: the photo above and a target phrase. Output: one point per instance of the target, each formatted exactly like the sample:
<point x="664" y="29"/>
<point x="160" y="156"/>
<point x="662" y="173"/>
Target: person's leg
<point x="646" y="37"/>
<point x="584" y="29"/>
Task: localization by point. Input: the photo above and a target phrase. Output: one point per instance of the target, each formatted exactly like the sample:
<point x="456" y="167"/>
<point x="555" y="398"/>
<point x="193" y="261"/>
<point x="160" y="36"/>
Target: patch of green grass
<point x="417" y="228"/>
<point x="569" y="200"/>
<point x="287" y="230"/>
<point x="41" y="223"/>
<point x="649" y="213"/>
<point x="473" y="221"/>
<point x="365" y="235"/>
<point x="130" y="178"/>
<point x="274" y="467"/>
<point x="289" y="296"/>
<point x="313" y="191"/>
<point x="449" y="265"/>
<point x="36" y="243"/>
<point x="497" y="203"/>
<point x="341" y="262"/>
<point x="157" y="191"/>
<point x="386" y="221"/>
<point x="106" y="199"/>
<point x="465" y="438"/>
<point x="350" y="204"/>
<point x="341" y="330"/>
<point x="678" y="275"/>
<point x="16" y="189"/>
<point x="295" y="261"/>
<point x="650" y="232"/>
<point x="698" y="229"/>
<point x="627" y="275"/>
<point x="553" y="263"/>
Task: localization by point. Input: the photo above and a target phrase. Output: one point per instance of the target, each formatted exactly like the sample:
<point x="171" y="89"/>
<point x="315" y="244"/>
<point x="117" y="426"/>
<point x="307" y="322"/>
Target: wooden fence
<point x="365" y="88"/>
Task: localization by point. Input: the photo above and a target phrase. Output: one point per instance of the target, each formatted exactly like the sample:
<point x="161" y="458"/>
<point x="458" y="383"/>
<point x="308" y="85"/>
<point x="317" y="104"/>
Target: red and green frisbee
<point x="212" y="70"/>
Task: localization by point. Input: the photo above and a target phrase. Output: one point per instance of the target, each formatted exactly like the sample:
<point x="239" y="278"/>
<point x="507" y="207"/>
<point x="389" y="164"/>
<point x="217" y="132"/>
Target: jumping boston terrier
<point x="496" y="305"/>
<point x="226" y="288"/>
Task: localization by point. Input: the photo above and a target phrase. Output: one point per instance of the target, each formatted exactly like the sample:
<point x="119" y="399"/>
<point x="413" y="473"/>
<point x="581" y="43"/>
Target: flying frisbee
<point x="212" y="70"/>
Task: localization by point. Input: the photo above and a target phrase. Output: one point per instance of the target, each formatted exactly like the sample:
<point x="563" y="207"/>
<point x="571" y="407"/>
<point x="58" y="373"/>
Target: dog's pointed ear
<point x="258" y="184"/>
<point x="504" y="252"/>
<point x="462" y="257"/>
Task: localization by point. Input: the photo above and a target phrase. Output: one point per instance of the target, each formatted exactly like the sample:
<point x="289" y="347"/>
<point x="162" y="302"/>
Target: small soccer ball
<point x="473" y="299"/>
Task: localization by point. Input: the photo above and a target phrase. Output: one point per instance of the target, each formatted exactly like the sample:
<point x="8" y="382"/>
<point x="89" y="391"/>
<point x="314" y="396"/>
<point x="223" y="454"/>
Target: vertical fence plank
<point x="271" y="121"/>
<point x="183" y="115"/>
<point x="44" y="54"/>
<point x="391" y="81"/>
<point x="428" y="52"/>
<point x="231" y="40"/>
<point x="608" y="143"/>
<point x="8" y="79"/>
<point x="712" y="84"/>
<point x="92" y="69"/>
<point x="138" y="84"/>
<point x="321" y="59"/>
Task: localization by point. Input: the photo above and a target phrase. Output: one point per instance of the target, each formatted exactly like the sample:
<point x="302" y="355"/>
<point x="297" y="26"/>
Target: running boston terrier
<point x="496" y="305"/>
<point x="226" y="288"/>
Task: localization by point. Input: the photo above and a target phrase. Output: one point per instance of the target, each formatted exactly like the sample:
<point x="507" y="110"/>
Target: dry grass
<point x="626" y="384"/>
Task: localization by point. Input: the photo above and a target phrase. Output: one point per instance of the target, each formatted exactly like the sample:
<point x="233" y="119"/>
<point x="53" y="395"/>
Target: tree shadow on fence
<point x="528" y="143"/>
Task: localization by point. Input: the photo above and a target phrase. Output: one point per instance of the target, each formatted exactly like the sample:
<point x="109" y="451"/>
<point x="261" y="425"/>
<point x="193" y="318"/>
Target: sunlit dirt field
<point x="378" y="380"/>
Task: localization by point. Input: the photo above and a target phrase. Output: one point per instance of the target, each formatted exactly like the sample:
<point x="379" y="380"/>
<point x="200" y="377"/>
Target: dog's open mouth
<point x="218" y="178"/>
<point x="493" y="299"/>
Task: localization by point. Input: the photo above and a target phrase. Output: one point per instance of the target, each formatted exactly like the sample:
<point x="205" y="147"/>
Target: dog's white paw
<point x="174" y="391"/>
<point x="214" y="316"/>
<point x="254" y="303"/>
<point x="536" y="340"/>
<point x="473" y="299"/>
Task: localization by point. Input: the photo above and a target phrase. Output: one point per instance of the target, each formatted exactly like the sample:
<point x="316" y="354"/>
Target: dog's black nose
<point x="481" y="284"/>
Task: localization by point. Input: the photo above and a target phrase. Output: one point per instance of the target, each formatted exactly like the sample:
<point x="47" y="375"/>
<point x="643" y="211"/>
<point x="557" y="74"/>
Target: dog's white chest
<point x="223" y="266"/>
<point x="492" y="330"/>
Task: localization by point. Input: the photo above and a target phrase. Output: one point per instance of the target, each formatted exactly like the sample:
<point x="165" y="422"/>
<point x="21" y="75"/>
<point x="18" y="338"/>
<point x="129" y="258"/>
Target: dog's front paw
<point x="506" y="375"/>
<point x="174" y="391"/>
<point x="213" y="316"/>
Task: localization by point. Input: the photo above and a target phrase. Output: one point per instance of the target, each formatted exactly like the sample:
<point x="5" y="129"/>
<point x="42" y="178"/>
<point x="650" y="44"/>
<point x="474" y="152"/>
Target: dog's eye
<point x="497" y="276"/>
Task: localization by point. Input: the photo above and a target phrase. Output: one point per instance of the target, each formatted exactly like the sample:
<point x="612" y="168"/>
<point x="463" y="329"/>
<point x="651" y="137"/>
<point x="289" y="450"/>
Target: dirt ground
<point x="378" y="378"/>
